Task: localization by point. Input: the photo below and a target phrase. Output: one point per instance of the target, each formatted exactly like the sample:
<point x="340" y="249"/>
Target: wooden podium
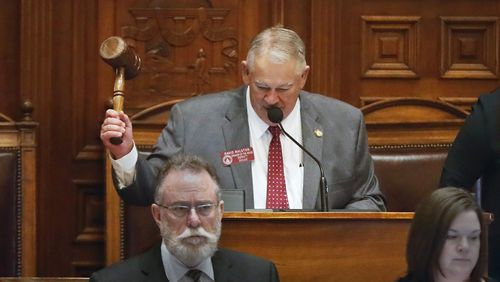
<point x="314" y="246"/>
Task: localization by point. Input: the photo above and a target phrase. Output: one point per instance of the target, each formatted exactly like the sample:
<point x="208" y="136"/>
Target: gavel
<point x="116" y="53"/>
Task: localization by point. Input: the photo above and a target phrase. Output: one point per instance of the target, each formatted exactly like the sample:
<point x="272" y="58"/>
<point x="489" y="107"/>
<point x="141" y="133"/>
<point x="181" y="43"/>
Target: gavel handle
<point x="118" y="98"/>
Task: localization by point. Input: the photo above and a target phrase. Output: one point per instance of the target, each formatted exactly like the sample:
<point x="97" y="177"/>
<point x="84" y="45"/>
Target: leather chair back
<point x="407" y="173"/>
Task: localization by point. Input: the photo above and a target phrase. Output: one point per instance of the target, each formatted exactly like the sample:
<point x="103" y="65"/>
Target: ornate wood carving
<point x="389" y="46"/>
<point x="469" y="47"/>
<point x="185" y="52"/>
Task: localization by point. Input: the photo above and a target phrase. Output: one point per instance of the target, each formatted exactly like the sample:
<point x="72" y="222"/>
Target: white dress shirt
<point x="260" y="138"/>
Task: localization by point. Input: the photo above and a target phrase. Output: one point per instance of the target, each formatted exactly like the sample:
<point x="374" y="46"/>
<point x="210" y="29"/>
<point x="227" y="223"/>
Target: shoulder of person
<point x="127" y="268"/>
<point x="116" y="271"/>
<point x="325" y="101"/>
<point x="490" y="100"/>
<point x="331" y="108"/>
<point x="488" y="109"/>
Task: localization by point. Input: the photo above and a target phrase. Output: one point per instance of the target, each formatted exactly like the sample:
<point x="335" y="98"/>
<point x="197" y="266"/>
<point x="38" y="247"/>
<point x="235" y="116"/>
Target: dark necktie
<point x="276" y="186"/>
<point x="194" y="274"/>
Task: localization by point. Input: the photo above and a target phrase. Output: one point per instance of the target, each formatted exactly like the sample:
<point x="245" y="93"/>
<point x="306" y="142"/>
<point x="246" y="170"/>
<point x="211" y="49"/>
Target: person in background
<point x="188" y="211"/>
<point x="233" y="132"/>
<point x="474" y="155"/>
<point x="447" y="241"/>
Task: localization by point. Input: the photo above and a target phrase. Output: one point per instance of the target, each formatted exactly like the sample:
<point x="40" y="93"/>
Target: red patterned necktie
<point x="276" y="186"/>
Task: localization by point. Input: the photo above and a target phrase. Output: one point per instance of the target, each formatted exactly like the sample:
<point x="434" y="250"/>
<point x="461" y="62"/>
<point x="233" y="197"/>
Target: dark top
<point x="476" y="154"/>
<point x="228" y="266"/>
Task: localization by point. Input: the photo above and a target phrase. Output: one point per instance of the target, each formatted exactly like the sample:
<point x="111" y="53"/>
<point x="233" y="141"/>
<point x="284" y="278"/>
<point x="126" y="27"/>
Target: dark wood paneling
<point x="48" y="51"/>
<point x="58" y="72"/>
<point x="9" y="58"/>
<point x="429" y="83"/>
<point x="323" y="77"/>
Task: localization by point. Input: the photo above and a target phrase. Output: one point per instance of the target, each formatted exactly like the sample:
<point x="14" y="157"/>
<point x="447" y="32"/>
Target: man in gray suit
<point x="188" y="211"/>
<point x="230" y="130"/>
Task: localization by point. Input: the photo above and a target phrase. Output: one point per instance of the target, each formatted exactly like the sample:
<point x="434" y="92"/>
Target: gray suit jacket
<point x="228" y="266"/>
<point x="214" y="123"/>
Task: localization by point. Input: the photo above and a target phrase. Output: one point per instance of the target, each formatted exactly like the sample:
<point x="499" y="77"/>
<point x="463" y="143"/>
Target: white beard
<point x="193" y="245"/>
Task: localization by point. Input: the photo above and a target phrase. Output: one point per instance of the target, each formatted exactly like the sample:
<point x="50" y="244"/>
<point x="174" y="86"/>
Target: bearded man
<point x="188" y="211"/>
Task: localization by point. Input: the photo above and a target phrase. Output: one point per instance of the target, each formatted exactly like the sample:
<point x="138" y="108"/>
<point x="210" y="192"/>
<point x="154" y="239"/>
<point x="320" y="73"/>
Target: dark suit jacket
<point x="228" y="266"/>
<point x="476" y="154"/>
<point x="211" y="124"/>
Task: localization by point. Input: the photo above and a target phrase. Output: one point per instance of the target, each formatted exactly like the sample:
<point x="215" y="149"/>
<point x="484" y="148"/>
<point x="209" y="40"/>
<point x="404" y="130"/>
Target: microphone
<point x="116" y="53"/>
<point x="275" y="115"/>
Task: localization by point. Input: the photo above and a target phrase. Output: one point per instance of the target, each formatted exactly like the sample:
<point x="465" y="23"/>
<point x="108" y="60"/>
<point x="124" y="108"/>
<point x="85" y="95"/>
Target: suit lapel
<point x="222" y="268"/>
<point x="237" y="136"/>
<point x="314" y="144"/>
<point x="152" y="266"/>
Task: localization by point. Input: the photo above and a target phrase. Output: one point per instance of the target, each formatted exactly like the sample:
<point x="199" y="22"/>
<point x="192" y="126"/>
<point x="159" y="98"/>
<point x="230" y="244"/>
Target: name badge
<point x="236" y="156"/>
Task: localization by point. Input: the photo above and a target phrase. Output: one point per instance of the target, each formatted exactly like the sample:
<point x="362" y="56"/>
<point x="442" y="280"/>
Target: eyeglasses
<point x="182" y="211"/>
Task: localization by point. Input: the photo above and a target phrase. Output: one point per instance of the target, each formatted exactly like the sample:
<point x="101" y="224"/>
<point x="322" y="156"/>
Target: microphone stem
<point x="323" y="185"/>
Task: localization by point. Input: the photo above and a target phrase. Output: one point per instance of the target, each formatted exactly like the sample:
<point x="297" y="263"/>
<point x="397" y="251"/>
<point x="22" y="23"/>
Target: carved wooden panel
<point x="390" y="46"/>
<point x="90" y="210"/>
<point x="412" y="121"/>
<point x="469" y="47"/>
<point x="187" y="49"/>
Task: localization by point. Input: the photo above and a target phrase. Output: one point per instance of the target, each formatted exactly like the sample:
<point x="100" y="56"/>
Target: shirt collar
<point x="175" y="269"/>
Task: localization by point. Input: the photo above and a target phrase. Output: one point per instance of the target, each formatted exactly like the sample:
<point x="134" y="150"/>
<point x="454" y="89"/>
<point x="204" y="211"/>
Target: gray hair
<point x="280" y="45"/>
<point x="184" y="162"/>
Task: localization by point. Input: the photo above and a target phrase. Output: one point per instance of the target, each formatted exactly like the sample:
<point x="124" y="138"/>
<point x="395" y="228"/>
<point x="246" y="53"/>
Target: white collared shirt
<point x="260" y="138"/>
<point x="176" y="270"/>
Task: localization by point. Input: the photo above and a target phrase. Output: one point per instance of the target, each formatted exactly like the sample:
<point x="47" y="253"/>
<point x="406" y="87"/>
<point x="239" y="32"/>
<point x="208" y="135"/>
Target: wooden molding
<point x="90" y="207"/>
<point x="390" y="46"/>
<point x="412" y="121"/>
<point x="469" y="47"/>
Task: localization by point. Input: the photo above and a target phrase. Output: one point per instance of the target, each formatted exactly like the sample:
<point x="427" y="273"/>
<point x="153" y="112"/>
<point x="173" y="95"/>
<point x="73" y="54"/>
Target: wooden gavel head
<point x="116" y="53"/>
